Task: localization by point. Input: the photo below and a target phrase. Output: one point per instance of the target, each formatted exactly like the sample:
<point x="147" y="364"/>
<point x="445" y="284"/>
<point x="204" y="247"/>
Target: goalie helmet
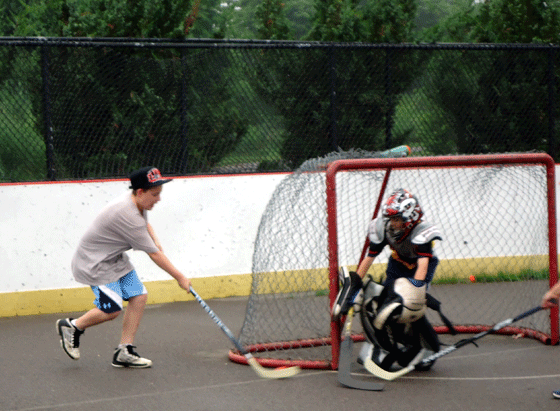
<point x="402" y="203"/>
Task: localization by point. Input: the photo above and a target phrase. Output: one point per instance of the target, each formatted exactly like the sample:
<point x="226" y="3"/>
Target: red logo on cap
<point x="154" y="175"/>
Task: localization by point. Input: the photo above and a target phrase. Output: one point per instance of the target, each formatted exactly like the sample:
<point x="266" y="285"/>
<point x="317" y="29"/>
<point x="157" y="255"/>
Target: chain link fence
<point x="76" y="108"/>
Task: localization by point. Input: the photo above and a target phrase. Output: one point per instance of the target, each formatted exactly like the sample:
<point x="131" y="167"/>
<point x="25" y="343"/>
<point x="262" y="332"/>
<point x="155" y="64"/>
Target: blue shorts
<point x="110" y="297"/>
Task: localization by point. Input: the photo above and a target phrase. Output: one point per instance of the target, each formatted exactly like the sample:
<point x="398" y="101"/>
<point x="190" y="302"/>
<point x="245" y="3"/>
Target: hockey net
<point x="497" y="216"/>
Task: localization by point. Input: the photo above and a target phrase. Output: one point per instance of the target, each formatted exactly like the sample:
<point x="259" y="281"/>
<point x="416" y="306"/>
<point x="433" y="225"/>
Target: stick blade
<point x="376" y="370"/>
<point x="273" y="373"/>
<point x="345" y="377"/>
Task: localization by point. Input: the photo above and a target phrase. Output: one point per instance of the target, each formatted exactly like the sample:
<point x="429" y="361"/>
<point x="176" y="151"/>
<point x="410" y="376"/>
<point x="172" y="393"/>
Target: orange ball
<point x="472" y="278"/>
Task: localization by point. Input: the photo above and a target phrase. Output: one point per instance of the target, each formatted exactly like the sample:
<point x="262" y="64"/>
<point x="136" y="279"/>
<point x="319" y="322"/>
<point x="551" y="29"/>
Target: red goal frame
<point x="389" y="164"/>
<point x="269" y="352"/>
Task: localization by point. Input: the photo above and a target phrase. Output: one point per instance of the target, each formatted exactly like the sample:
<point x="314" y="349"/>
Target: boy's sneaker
<point x="351" y="286"/>
<point x="556" y="394"/>
<point x="127" y="357"/>
<point x="69" y="338"/>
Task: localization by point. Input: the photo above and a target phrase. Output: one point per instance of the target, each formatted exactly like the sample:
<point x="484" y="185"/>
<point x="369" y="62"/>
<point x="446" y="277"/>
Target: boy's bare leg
<point x="132" y="316"/>
<point x="125" y="355"/>
<point x="94" y="317"/>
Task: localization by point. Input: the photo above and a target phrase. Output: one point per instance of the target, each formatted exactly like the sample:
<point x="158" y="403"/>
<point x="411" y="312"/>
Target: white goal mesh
<point x="493" y="211"/>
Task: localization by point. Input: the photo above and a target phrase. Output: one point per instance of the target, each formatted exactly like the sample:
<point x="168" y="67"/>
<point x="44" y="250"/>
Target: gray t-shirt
<point x="100" y="257"/>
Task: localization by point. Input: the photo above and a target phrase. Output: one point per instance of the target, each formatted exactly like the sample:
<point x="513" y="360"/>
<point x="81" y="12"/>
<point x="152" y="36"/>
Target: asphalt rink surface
<point x="192" y="371"/>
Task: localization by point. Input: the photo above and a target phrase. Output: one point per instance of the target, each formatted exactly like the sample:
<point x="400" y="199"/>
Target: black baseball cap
<point x="147" y="177"/>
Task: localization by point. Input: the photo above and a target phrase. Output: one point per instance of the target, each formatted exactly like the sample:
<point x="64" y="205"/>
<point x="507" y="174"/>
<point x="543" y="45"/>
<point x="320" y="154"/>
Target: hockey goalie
<point x="393" y="313"/>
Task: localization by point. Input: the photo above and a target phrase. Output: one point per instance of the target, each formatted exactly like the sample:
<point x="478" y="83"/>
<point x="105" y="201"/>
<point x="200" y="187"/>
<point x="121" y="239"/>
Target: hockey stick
<point x="259" y="369"/>
<point x="344" y="361"/>
<point x="376" y="370"/>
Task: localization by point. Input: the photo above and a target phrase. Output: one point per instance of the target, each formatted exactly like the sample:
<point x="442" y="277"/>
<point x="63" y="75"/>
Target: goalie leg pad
<point x="426" y="334"/>
<point x="388" y="313"/>
<point x="413" y="300"/>
<point x="387" y="361"/>
<point x="377" y="354"/>
<point x="408" y="354"/>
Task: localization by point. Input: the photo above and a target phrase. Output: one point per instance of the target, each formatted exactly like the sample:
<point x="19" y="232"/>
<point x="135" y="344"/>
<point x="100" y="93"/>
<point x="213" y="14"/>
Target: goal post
<point x="534" y="162"/>
<point x="497" y="214"/>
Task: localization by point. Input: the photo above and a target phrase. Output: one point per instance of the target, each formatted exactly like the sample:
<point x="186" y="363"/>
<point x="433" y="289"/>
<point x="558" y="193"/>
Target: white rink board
<point x="207" y="226"/>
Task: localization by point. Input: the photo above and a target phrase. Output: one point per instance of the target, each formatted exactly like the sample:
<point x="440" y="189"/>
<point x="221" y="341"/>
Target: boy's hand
<point x="549" y="301"/>
<point x="184" y="283"/>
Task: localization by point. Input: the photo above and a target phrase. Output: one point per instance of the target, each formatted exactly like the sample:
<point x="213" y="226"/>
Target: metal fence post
<point x="389" y="96"/>
<point x="333" y="133"/>
<point x="47" y="121"/>
<point x="183" y="159"/>
<point x="551" y="106"/>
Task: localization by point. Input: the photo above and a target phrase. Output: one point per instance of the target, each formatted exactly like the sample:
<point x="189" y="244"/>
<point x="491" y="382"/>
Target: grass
<point x="524" y="275"/>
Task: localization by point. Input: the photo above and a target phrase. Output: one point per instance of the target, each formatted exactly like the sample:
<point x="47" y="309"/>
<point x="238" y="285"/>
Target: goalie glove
<point x="351" y="286"/>
<point x="405" y="304"/>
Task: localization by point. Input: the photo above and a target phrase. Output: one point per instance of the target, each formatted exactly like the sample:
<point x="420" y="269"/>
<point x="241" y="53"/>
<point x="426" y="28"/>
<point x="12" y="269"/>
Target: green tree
<point x="8" y="11"/>
<point x="116" y="108"/>
<point x="337" y="20"/>
<point x="390" y="21"/>
<point x="273" y="23"/>
<point x="432" y="12"/>
<point x="243" y="22"/>
<point x="497" y="101"/>
<point x="303" y="85"/>
<point x="518" y="21"/>
<point x="208" y="19"/>
<point x="299" y="14"/>
<point x="99" y="18"/>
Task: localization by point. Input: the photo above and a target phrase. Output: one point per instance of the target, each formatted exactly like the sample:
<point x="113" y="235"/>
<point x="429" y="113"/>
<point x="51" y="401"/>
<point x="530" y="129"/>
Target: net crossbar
<point x="497" y="215"/>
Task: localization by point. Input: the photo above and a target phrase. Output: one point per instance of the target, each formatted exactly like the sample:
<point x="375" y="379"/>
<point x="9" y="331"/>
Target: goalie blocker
<point x="395" y="325"/>
<point x="351" y="285"/>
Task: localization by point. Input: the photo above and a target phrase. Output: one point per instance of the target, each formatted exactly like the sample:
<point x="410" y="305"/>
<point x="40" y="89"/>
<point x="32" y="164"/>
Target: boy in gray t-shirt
<point x="100" y="261"/>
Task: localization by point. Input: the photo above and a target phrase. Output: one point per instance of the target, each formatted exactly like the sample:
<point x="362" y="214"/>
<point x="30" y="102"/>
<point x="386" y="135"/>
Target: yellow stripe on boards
<point x="239" y="285"/>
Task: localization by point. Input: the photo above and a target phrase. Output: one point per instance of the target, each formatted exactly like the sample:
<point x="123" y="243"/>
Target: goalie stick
<point x="344" y="362"/>
<point x="376" y="370"/>
<point x="259" y="369"/>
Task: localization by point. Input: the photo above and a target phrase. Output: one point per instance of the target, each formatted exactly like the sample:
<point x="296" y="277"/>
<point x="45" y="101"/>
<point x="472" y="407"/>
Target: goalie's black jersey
<point x="407" y="250"/>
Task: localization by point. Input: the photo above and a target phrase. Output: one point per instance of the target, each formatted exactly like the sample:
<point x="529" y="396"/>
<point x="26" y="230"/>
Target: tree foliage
<point x="390" y="21"/>
<point x="101" y="18"/>
<point x="517" y="21"/>
<point x="273" y="23"/>
<point x="365" y="112"/>
<point x="115" y="108"/>
<point x="129" y="103"/>
<point x="499" y="101"/>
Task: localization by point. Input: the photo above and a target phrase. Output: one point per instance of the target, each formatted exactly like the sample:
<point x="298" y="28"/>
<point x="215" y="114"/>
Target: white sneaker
<point x="127" y="357"/>
<point x="69" y="338"/>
